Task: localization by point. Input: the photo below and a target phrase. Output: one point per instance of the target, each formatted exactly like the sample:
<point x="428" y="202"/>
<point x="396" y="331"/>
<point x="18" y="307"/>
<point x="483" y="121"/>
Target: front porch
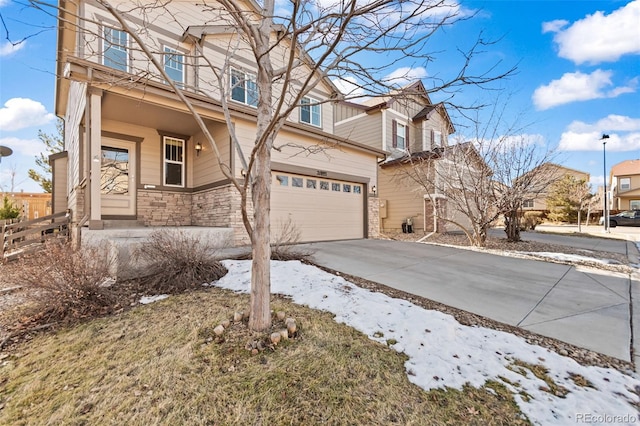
<point x="122" y="238"/>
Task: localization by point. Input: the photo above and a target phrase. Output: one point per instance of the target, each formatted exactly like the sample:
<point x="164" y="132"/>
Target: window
<point x="357" y="189"/>
<point x="634" y="204"/>
<point x="335" y="186"/>
<point x="437" y="139"/>
<point x="283" y="180"/>
<point x="310" y="111"/>
<point x="527" y="204"/>
<point x="173" y="161"/>
<point x="625" y="184"/>
<point x="346" y="188"/>
<point x="296" y="182"/>
<point x="244" y="88"/>
<point x="174" y="65"/>
<point x="115" y="49"/>
<point x="400" y="132"/>
<point x="311" y="183"/>
<point x="324" y="185"/>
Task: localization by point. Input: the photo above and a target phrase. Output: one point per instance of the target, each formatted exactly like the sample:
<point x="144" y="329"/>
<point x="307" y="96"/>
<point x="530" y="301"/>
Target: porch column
<point x="95" y="143"/>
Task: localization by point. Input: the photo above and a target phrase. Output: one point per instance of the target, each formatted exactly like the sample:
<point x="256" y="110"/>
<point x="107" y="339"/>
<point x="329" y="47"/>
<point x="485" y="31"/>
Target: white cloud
<point x="554" y="26"/>
<point x="30" y="147"/>
<point x="591" y="141"/>
<point x="611" y="123"/>
<point x="600" y="38"/>
<point x="4" y="2"/>
<point x="22" y="113"/>
<point x="8" y="49"/>
<point x="405" y="75"/>
<point x="577" y="86"/>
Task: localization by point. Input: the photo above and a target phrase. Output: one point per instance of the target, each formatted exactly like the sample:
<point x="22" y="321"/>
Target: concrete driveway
<point x="589" y="310"/>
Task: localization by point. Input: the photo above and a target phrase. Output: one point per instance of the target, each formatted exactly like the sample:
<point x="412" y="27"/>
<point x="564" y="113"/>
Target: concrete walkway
<point x="584" y="308"/>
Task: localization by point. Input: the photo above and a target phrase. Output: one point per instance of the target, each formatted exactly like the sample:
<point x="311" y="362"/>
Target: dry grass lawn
<point x="161" y="364"/>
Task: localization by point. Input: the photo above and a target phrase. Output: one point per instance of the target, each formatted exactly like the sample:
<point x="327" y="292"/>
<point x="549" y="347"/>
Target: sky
<point x="578" y="72"/>
<point x="451" y="354"/>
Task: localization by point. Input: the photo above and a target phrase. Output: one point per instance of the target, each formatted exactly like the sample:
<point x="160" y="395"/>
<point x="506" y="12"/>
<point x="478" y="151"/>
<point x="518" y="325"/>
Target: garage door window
<point x="324" y="185"/>
<point x="335" y="186"/>
<point x="283" y="180"/>
<point x="296" y="182"/>
<point x="346" y="188"/>
<point x="357" y="189"/>
<point x="311" y="183"/>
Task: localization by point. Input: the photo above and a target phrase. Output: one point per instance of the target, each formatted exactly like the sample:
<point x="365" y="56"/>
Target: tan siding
<point x="59" y="169"/>
<point x="205" y="167"/>
<point x="403" y="199"/>
<point x="72" y="137"/>
<point x="365" y="129"/>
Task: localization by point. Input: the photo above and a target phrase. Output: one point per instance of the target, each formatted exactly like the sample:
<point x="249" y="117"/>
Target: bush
<point x="8" y="210"/>
<point x="531" y="219"/>
<point x="62" y="284"/>
<point x="174" y="261"/>
<point x="285" y="245"/>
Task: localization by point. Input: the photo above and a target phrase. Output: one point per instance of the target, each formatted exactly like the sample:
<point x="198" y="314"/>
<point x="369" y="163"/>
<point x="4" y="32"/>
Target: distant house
<point x="624" y="181"/>
<point x="414" y="131"/>
<point x="550" y="172"/>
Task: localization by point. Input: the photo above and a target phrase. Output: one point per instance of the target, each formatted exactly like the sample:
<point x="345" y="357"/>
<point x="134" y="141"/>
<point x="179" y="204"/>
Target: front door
<point x="117" y="178"/>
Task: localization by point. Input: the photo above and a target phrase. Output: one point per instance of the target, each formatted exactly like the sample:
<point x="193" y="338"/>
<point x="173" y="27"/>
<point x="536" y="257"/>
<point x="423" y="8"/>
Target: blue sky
<point x="578" y="77"/>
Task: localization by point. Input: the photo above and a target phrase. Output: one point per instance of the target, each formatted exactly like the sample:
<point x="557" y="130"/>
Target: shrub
<point x="174" y="261"/>
<point x="285" y="245"/>
<point x="8" y="210"/>
<point x="531" y="219"/>
<point x="62" y="284"/>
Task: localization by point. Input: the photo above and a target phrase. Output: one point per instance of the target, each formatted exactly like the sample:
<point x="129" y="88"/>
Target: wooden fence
<point x="25" y="236"/>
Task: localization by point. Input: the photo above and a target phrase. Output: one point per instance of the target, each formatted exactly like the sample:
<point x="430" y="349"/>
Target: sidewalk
<point x="628" y="233"/>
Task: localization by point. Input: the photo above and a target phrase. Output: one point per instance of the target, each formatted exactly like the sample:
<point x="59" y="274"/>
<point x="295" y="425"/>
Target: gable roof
<point x="628" y="167"/>
<point x="415" y="88"/>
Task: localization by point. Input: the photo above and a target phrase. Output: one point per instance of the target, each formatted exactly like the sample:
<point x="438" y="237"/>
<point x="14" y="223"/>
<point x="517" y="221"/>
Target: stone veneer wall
<point x="221" y="207"/>
<point x="374" y="216"/>
<point x="164" y="208"/>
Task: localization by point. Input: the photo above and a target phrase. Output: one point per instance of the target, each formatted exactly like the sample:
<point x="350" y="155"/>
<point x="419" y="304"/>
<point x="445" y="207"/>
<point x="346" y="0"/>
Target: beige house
<point x="413" y="130"/>
<point x="549" y="173"/>
<point x="624" y="182"/>
<point x="133" y="152"/>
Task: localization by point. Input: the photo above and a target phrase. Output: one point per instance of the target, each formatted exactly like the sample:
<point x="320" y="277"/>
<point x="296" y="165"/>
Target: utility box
<point x="383" y="209"/>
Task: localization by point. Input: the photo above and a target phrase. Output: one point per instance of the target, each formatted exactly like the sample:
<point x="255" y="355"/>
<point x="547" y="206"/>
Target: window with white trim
<point x="173" y="161"/>
<point x="527" y="204"/>
<point x="634" y="204"/>
<point x="399" y="136"/>
<point x="174" y="65"/>
<point x="244" y="88"/>
<point x="310" y="111"/>
<point x="115" y="53"/>
<point x="625" y="184"/>
<point x="437" y="139"/>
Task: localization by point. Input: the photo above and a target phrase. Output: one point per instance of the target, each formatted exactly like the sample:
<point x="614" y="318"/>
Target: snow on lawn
<point x="569" y="257"/>
<point x="145" y="300"/>
<point x="443" y="353"/>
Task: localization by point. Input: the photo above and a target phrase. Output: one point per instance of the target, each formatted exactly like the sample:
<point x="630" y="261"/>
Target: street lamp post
<point x="605" y="213"/>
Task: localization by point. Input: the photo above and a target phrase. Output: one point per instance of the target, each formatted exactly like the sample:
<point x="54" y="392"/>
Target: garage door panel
<point x="319" y="214"/>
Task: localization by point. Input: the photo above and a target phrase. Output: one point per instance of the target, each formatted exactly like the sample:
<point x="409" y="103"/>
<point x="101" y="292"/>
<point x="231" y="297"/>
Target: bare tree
<point x="484" y="177"/>
<point x="293" y="50"/>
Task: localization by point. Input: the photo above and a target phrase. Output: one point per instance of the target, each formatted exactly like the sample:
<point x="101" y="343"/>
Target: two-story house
<point x="546" y="175"/>
<point x="625" y="185"/>
<point x="414" y="131"/>
<point x="134" y="152"/>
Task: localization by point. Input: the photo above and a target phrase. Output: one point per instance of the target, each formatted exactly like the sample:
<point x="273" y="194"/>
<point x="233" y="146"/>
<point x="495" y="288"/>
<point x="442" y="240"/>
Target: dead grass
<point x="156" y="365"/>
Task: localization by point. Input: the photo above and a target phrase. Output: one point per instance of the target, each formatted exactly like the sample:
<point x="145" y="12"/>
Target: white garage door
<point x="322" y="209"/>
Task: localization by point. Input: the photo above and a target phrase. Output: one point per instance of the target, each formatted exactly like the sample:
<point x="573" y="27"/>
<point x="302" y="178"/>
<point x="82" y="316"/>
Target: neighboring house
<point x="624" y="183"/>
<point x="133" y="152"/>
<point x="411" y="129"/>
<point x="32" y="204"/>
<point x="547" y="174"/>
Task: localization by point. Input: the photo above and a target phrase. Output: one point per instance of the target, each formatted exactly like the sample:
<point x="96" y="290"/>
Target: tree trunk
<point x="512" y="226"/>
<point x="260" y="312"/>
